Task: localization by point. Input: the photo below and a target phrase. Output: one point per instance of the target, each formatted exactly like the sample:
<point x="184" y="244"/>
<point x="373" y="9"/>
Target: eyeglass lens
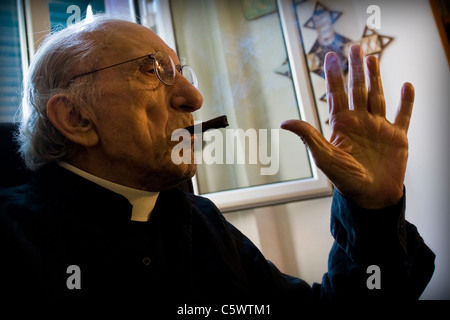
<point x="166" y="70"/>
<point x="165" y="67"/>
<point x="190" y="75"/>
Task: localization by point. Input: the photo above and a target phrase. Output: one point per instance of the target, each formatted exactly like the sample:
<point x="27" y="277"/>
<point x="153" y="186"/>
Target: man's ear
<point x="71" y="121"/>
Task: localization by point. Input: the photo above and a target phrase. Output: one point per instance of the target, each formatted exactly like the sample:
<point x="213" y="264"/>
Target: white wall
<point x="296" y="236"/>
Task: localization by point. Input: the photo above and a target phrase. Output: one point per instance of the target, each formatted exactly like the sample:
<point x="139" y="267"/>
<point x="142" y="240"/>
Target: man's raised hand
<point x="366" y="156"/>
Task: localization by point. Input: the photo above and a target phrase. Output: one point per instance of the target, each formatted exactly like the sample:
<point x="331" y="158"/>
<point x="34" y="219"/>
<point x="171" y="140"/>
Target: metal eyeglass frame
<point x="156" y="64"/>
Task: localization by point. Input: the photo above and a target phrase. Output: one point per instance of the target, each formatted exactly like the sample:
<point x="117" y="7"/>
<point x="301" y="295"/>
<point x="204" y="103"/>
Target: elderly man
<point x="102" y="217"/>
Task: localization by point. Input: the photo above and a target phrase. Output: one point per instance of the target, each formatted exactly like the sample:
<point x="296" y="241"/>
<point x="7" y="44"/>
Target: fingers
<point x="336" y="95"/>
<point x="376" y="102"/>
<point x="356" y="81"/>
<point x="359" y="98"/>
<point x="405" y="107"/>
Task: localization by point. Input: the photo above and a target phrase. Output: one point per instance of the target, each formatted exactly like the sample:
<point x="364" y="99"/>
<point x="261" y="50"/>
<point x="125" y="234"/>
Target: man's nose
<point x="185" y="97"/>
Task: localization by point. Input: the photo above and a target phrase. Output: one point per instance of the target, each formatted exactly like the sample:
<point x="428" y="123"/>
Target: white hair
<point x="61" y="56"/>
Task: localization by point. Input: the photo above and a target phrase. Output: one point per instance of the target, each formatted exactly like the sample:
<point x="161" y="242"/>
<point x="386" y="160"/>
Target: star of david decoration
<point x="322" y="20"/>
<point x="372" y="43"/>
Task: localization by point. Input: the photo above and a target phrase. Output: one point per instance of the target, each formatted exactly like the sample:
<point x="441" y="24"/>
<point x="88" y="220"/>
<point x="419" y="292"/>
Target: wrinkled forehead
<point x="126" y="40"/>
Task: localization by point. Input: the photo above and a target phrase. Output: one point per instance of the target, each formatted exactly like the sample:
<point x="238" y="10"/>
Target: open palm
<point x="366" y="156"/>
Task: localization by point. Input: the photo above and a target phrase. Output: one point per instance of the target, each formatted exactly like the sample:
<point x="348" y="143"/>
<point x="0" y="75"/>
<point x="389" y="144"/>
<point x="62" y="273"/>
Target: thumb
<point x="320" y="148"/>
<point x="309" y="135"/>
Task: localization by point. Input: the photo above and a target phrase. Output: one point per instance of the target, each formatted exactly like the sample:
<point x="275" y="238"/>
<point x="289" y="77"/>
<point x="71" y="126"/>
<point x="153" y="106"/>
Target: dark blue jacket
<point x="187" y="251"/>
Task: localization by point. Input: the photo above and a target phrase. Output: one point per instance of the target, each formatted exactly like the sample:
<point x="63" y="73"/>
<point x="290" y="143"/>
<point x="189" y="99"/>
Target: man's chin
<point x="183" y="173"/>
<point x="189" y="172"/>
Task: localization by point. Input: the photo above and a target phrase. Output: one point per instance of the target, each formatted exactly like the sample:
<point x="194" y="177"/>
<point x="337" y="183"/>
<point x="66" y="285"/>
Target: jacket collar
<point x="143" y="202"/>
<point x="68" y="189"/>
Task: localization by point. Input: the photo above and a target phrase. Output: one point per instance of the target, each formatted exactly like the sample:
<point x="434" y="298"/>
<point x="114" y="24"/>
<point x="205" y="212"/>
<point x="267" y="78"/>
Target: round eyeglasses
<point x="164" y="67"/>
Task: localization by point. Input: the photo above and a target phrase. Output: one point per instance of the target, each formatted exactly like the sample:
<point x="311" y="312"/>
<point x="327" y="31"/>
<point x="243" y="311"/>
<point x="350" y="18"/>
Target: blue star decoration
<point x="322" y="20"/>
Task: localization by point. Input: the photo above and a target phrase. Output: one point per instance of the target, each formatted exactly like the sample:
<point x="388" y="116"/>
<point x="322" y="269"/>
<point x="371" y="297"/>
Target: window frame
<point x="282" y="192"/>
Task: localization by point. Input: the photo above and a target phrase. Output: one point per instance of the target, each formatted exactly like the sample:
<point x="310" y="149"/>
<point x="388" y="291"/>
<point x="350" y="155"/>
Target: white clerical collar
<point x="143" y="202"/>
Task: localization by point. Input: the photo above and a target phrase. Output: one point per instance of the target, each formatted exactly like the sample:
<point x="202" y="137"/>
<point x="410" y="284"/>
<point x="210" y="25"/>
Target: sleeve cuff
<point x="368" y="234"/>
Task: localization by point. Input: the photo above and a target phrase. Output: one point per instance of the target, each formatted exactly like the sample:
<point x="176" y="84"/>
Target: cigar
<point x="216" y="123"/>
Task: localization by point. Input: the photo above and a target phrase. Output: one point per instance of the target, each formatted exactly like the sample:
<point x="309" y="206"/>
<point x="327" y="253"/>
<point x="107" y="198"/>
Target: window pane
<point x="10" y="61"/>
<point x="239" y="55"/>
